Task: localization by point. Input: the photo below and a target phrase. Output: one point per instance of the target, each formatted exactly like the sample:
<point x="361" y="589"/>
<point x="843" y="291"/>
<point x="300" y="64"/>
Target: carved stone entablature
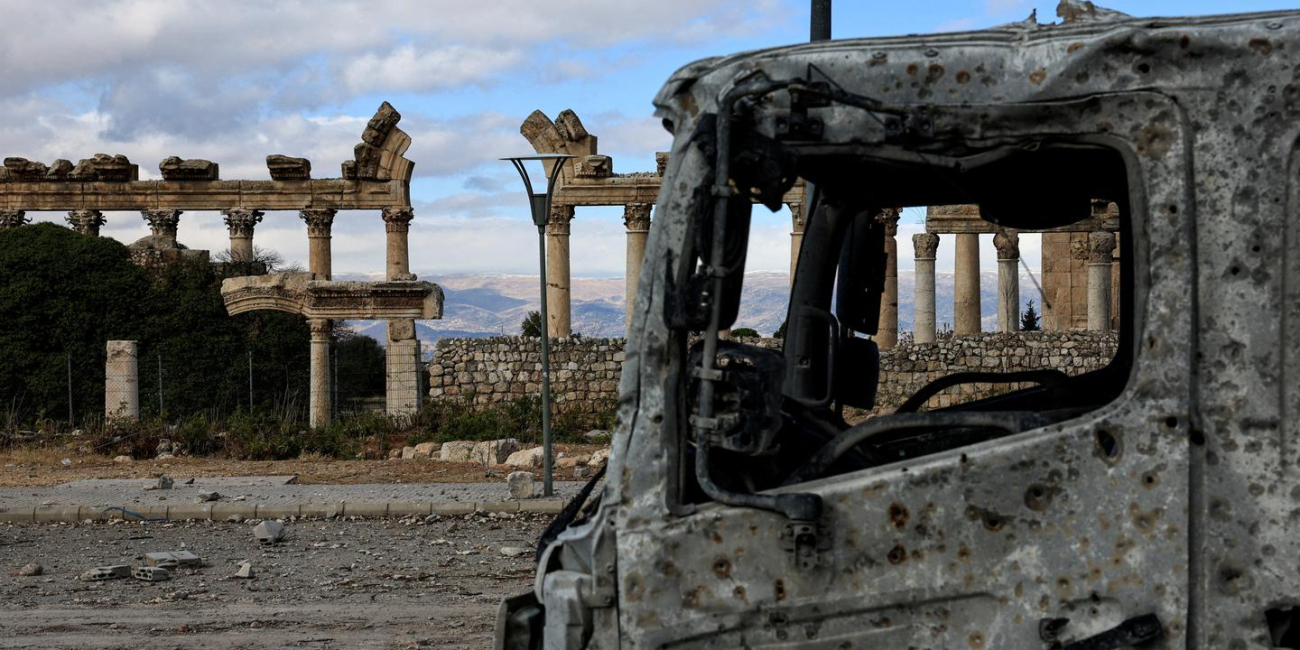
<point x="595" y="166"/>
<point x="59" y="170"/>
<point x="287" y="168"/>
<point x="558" y="222"/>
<point x="1101" y="248"/>
<point x="636" y="216"/>
<point x="22" y="169"/>
<point x="966" y="219"/>
<point x="103" y="167"/>
<point x="925" y="245"/>
<point x="162" y="223"/>
<point x="297" y="293"/>
<point x="173" y="168"/>
<point x="379" y="154"/>
<point x="1008" y="245"/>
<point x="319" y="221"/>
<point x="86" y="222"/>
<point x="13" y="219"/>
<point x="241" y="222"/>
<point x="397" y="219"/>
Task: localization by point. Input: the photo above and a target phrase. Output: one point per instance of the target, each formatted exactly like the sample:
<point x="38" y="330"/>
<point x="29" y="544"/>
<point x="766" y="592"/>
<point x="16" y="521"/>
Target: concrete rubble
<point x="151" y="574"/>
<point x="521" y="485"/>
<point x="245" y="571"/>
<point x="30" y="570"/>
<point x="269" y="532"/>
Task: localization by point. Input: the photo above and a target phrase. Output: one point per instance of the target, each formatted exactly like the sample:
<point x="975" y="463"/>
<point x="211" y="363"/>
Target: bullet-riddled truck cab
<point x="1153" y="502"/>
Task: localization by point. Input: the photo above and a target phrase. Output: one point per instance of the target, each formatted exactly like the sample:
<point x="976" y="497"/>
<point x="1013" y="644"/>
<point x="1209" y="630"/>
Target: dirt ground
<point x="332" y="584"/>
<point x="45" y="467"/>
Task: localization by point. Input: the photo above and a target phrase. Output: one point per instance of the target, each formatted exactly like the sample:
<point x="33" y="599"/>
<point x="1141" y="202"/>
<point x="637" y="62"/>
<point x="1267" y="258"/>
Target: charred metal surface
<point x="1178" y="501"/>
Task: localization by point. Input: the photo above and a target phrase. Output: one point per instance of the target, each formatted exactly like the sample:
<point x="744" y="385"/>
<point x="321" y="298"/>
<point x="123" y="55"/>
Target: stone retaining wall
<point x="585" y="372"/>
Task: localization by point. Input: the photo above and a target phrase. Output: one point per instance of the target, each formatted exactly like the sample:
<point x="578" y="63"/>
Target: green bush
<point x="744" y="333"/>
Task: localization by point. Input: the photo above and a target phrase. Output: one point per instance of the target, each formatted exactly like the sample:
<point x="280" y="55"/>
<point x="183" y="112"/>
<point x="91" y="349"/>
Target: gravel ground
<point x="331" y="584"/>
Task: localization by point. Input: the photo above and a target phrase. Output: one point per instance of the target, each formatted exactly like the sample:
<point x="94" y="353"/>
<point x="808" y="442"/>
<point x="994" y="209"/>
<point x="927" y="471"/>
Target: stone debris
<point x="582" y="471"/>
<point x="245" y="570"/>
<point x="527" y="458"/>
<point x="151" y="574"/>
<point x="32" y="569"/>
<point x="513" y="551"/>
<point x="457" y="451"/>
<point x="521" y="485"/>
<point x="165" y="482"/>
<point x="288" y="168"/>
<point x="427" y="449"/>
<point x="269" y="532"/>
<point x="110" y="572"/>
<point x="173" y="168"/>
<point x="572" y="461"/>
<point x="171" y="559"/>
<point x="408" y="453"/>
<point x="209" y="496"/>
<point x="494" y="452"/>
<point x="597" y="435"/>
<point x="122" y="459"/>
<point x="599" y="458"/>
<point x="235" y="519"/>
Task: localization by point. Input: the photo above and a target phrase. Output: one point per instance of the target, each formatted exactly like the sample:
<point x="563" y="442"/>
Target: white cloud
<point x="408" y="68"/>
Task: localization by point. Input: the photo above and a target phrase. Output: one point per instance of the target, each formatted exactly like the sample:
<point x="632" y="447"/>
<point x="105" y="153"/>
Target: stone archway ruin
<point x="377" y="178"/>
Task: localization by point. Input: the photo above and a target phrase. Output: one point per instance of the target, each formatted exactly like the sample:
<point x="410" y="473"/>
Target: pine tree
<point x="1029" y="321"/>
<point x="532" y="325"/>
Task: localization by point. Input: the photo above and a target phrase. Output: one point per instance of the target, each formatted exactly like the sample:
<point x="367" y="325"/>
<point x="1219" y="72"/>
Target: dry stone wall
<point x="585" y="372"/>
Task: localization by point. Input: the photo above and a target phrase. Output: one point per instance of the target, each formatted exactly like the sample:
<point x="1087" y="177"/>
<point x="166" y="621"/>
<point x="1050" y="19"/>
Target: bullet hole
<point x="1108" y="444"/>
<point x="779" y="589"/>
<point x="993" y="522"/>
<point x="975" y="640"/>
<point x="1150" y="479"/>
<point x="1173" y="209"/>
<point x="1171" y="422"/>
<point x="1255" y="248"/>
<point x="898" y="515"/>
<point x="722" y="568"/>
<point x="1144" y="68"/>
<point x="1037" y="497"/>
<point x="1236" y="270"/>
<point x="897" y="555"/>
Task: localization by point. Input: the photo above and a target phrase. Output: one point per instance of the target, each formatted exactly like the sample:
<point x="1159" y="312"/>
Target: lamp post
<point x="540" y="202"/>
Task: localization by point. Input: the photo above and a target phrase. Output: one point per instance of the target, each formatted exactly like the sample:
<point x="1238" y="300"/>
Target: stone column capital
<point x="86" y="222"/>
<point x="13" y="219"/>
<point x="162" y="222"/>
<point x="321" y="328"/>
<point x="925" y="245"/>
<point x="796" y="217"/>
<point x="319" y="221"/>
<point x="636" y="217"/>
<point x="1101" y="247"/>
<point x="558" y="222"/>
<point x="241" y="221"/>
<point x="889" y="217"/>
<point x="1008" y="245"/>
<point x="398" y="219"/>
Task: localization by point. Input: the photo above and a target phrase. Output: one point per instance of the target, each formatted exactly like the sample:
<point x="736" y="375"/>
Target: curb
<point x="223" y="511"/>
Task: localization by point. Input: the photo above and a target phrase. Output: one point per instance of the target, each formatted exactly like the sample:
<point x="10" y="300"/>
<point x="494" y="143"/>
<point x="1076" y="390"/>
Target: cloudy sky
<point x="237" y="80"/>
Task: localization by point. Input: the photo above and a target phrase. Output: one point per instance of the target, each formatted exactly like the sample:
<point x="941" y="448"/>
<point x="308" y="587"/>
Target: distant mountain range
<point x="492" y="305"/>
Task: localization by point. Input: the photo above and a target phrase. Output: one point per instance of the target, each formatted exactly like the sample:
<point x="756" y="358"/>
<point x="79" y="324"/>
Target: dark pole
<point x="546" y="369"/>
<point x="160" y="402"/>
<point x="70" y="420"/>
<point x="250" y="380"/>
<point x="821" y="20"/>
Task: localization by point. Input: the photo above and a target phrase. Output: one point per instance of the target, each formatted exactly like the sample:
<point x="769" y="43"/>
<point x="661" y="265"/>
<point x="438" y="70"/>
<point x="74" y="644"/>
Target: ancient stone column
<point x="1101" y="252"/>
<point x="397" y="223"/>
<point x="240" y="223"/>
<point x="163" y="223"/>
<point x="319" y="224"/>
<point x="925" y="246"/>
<point x="319" y="404"/>
<point x="86" y="222"/>
<point x="966" y="285"/>
<point x="122" y="380"/>
<point x="1008" y="245"/>
<point x="403" y="363"/>
<point x="636" y="217"/>
<point x="12" y="219"/>
<point x="796" y="236"/>
<point x="557" y="271"/>
<point x="887" y="329"/>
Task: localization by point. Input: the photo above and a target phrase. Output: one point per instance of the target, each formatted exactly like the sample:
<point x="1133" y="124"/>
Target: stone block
<point x="457" y="451"/>
<point x="526" y="458"/>
<point x="408" y="453"/>
<point x="520" y="484"/>
<point x="426" y="449"/>
<point x="494" y="452"/>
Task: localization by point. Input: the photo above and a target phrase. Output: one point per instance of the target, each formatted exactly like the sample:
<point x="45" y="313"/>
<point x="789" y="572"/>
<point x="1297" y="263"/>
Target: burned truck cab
<point x="762" y="498"/>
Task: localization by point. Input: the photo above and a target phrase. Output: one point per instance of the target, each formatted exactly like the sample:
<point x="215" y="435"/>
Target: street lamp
<point x="540" y="202"/>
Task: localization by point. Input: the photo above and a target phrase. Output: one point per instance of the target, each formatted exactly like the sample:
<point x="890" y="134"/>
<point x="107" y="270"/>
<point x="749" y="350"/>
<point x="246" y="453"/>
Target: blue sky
<point x="235" y="81"/>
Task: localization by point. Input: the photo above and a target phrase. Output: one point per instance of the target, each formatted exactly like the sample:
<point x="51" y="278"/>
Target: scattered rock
<point x="164" y="447"/>
<point x="394" y="454"/>
<point x="521" y="485"/>
<point x="597" y="435"/>
<point x="573" y="461"/>
<point x="269" y="532"/>
<point x="209" y="496"/>
<point x="235" y="519"/>
<point x="165" y="482"/>
<point x="457" y="451"/>
<point x="599" y="458"/>
<point x="32" y="569"/>
<point x="426" y="449"/>
<point x="173" y="168"/>
<point x="287" y="168"/>
<point x="513" y="551"/>
<point x="122" y="459"/>
<point x="408" y="453"/>
<point x="494" y="452"/>
<point x="245" y="570"/>
<point x="526" y="458"/>
<point x="582" y="471"/>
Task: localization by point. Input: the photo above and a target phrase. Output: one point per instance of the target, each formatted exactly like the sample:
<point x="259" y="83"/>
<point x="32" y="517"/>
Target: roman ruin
<point x="377" y="179"/>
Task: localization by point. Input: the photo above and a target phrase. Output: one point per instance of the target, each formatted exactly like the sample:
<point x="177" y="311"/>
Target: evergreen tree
<point x="1029" y="321"/>
<point x="532" y="325"/>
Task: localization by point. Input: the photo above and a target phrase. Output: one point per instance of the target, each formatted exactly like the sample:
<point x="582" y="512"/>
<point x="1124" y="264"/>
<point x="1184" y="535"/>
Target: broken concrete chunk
<point x="269" y="532"/>
<point x="32" y="569"/>
<point x="165" y="482"/>
<point x="151" y="574"/>
<point x="110" y="572"/>
<point x="209" y="496"/>
<point x="513" y="551"/>
<point x="521" y="485"/>
<point x="171" y="559"/>
<point x="173" y="168"/>
<point x="245" y="570"/>
<point x="288" y="168"/>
